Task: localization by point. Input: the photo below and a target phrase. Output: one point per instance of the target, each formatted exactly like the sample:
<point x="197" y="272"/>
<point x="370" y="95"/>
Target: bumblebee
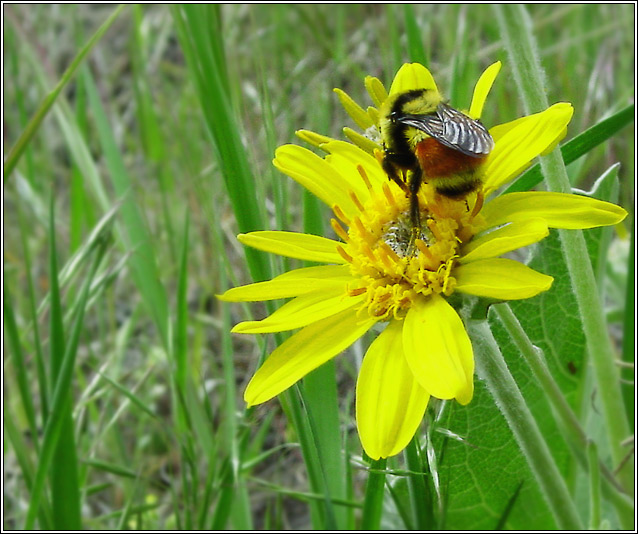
<point x="424" y="139"/>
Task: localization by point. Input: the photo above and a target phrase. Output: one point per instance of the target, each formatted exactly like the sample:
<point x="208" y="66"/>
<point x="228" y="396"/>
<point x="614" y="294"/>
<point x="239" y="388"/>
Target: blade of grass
<point x="232" y="445"/>
<point x="419" y="498"/>
<point x="81" y="212"/>
<point x="60" y="398"/>
<point x="204" y="54"/>
<point x="136" y="235"/>
<point x="373" y="500"/>
<point x="150" y="129"/>
<point x="521" y="46"/>
<point x="416" y="50"/>
<point x="63" y="476"/>
<point x="203" y="50"/>
<point x="17" y="358"/>
<point x="21" y="450"/>
<point x="629" y="334"/>
<point x="502" y="521"/>
<point x="594" y="486"/>
<point x="130" y="396"/>
<point x="322" y="406"/>
<point x="578" y="146"/>
<point x="18" y="149"/>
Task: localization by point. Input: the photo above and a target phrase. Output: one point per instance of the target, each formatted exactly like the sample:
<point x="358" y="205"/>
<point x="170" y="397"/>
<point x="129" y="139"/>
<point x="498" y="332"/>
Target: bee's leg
<point x="478" y="204"/>
<point x="415" y="213"/>
<point x="390" y="162"/>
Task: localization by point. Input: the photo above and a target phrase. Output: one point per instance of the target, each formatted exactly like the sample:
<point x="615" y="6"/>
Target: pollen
<point x="396" y="264"/>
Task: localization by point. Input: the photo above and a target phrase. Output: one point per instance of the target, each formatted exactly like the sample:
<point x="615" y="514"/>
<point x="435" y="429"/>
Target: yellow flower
<point x="375" y="274"/>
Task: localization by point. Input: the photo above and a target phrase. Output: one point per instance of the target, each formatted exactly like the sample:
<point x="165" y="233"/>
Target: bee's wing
<point x="453" y="129"/>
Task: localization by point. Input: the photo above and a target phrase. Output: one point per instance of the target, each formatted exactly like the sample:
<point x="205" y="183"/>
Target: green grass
<point x="137" y="150"/>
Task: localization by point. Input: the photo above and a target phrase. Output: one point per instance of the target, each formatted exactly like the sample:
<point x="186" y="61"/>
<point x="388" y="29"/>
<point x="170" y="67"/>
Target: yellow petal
<point x="560" y="210"/>
<point x="329" y="278"/>
<point x="304" y="352"/>
<point x="301" y="311"/>
<point x="482" y="89"/>
<point x="438" y="350"/>
<point x="515" y="150"/>
<point x="318" y="177"/>
<point x="376" y="90"/>
<point x="500" y="278"/>
<point x="313" y="138"/>
<point x="515" y="235"/>
<point x="500" y="130"/>
<point x="412" y="76"/>
<point x="374" y="115"/>
<point x="356" y="112"/>
<point x="346" y="158"/>
<point x="390" y="403"/>
<point x="294" y="245"/>
<point x="365" y="144"/>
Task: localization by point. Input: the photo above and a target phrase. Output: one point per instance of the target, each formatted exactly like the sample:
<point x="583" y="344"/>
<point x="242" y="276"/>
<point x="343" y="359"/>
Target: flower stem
<point x="373" y="501"/>
<point x="515" y="28"/>
<point x="417" y="488"/>
<point x="566" y="418"/>
<point x="492" y="368"/>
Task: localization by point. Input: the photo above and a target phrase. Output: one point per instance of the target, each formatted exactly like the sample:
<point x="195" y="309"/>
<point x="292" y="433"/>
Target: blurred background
<point x="129" y="145"/>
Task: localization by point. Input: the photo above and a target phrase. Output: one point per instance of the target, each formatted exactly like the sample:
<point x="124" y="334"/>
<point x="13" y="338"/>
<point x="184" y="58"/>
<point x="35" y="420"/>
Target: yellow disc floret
<point x="393" y="268"/>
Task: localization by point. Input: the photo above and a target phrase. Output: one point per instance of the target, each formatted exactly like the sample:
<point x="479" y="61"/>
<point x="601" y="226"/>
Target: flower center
<point x="393" y="267"/>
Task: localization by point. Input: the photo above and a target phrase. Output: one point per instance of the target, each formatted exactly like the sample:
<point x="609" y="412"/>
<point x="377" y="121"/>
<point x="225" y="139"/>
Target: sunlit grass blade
<point x="18" y="149"/>
<point x="60" y="397"/>
<point x="203" y="50"/>
<point x="578" y="146"/>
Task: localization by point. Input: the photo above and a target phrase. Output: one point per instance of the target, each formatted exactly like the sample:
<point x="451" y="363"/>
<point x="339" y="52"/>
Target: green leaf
<point x="482" y="481"/>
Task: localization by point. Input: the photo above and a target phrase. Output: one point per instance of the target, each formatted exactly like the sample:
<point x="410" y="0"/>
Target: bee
<point x="424" y="139"/>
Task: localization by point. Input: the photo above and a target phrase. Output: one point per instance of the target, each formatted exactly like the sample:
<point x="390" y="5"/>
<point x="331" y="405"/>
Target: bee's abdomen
<point x="440" y="161"/>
